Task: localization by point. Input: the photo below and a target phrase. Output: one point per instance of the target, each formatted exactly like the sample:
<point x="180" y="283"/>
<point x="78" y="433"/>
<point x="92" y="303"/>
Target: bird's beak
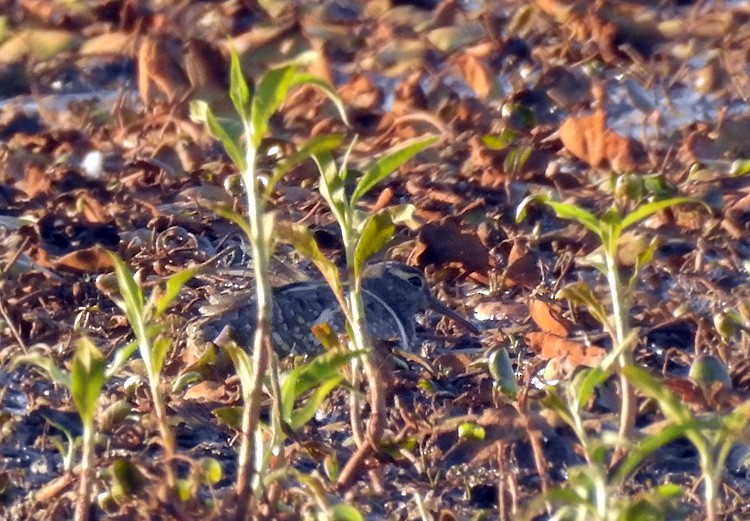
<point x="435" y="304"/>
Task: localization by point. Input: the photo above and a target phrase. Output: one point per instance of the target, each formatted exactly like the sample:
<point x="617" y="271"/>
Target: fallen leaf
<point x="589" y="139"/>
<point x="443" y="243"/>
<point x="206" y="391"/>
<point x="548" y="316"/>
<point x="87" y="260"/>
<point x="568" y="353"/>
<point x="475" y="73"/>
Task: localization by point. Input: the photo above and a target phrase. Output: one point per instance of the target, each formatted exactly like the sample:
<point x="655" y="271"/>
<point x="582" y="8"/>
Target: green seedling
<point x="84" y="381"/>
<point x="363" y="234"/>
<point x="712" y="434"/>
<point x="609" y="229"/>
<point x="144" y="319"/>
<point x="589" y="492"/>
<point x="242" y="139"/>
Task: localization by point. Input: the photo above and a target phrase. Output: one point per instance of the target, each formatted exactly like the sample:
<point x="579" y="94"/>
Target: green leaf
<point x="231" y="416"/>
<point x="46" y="364"/>
<point x="230" y="214"/>
<point x="121" y="357"/>
<point x="502" y="140"/>
<point x="271" y="91"/>
<point x="581" y="294"/>
<point x="648" y="209"/>
<point x="501" y="370"/>
<point x="644" y="258"/>
<point x="740" y="167"/>
<point x="377" y="232"/>
<point x="342" y="512"/>
<point x="587" y="384"/>
<point x="239" y="92"/>
<point x="211" y="470"/>
<point x="332" y="187"/>
<point x="649" y="444"/>
<point x="133" y="302"/>
<point x="390" y="161"/>
<point x="516" y="158"/>
<point x="672" y="408"/>
<point x="470" y="431"/>
<point x="303" y="241"/>
<point x="244" y="368"/>
<point x="300" y="416"/>
<point x="202" y="113"/>
<point x="305" y="78"/>
<point x="173" y="287"/>
<point x="159" y="354"/>
<point x="563" y="210"/>
<point x="314" y="146"/>
<point x="87" y="376"/>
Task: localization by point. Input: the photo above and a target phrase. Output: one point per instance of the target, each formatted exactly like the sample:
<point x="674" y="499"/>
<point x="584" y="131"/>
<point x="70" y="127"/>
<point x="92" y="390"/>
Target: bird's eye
<point x="415" y="281"/>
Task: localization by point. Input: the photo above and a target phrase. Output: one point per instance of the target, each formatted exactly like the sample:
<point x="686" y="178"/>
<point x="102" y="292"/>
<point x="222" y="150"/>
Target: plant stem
<point x="83" y="502"/>
<point x="711" y="490"/>
<point x="261" y="341"/>
<point x="160" y="409"/>
<point x="622" y="326"/>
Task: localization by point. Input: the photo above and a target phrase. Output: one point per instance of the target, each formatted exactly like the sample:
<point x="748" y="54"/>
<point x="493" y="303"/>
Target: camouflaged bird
<point x="393" y="293"/>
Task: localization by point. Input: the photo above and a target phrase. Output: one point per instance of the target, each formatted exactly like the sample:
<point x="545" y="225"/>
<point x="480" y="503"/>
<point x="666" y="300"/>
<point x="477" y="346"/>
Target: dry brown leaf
<point x="35" y="182"/>
<point x="522" y="267"/>
<point x="443" y="243"/>
<point x="475" y="73"/>
<point x="361" y="93"/>
<point x="548" y="316"/>
<point x="589" y="139"/>
<point x="88" y="260"/>
<point x="569" y="353"/>
<point x="206" y="391"/>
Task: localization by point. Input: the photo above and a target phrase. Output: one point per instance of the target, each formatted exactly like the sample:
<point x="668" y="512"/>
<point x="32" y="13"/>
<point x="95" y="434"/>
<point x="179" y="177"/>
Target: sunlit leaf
<point x="501" y="370"/>
<point x="121" y="357"/>
<point x="305" y="78"/>
<point x="172" y="289"/>
<point x="159" y="353"/>
<point x="211" y="470"/>
<point x="303" y="241"/>
<point x="343" y="512"/>
<point x="230" y="214"/>
<point x="301" y="415"/>
<point x="270" y="92"/>
<point x="390" y="161"/>
<point x="243" y="367"/>
<point x="648" y="209"/>
<point x="314" y="146"/>
<point x="201" y="112"/>
<point x="378" y="231"/>
<point x="470" y="431"/>
<point x="672" y="408"/>
<point x="239" y="92"/>
<point x="563" y="210"/>
<point x="87" y="376"/>
<point x="332" y="187"/>
<point x="46" y="364"/>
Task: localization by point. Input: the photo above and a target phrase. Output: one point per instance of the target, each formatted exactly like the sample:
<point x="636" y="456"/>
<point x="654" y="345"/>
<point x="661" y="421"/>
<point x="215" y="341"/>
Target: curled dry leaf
<point x="523" y="269"/>
<point x="568" y="354"/>
<point x="589" y="139"/>
<point x="548" y="317"/>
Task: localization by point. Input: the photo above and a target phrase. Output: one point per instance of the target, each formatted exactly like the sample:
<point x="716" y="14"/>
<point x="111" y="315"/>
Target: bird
<point x="392" y="292"/>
